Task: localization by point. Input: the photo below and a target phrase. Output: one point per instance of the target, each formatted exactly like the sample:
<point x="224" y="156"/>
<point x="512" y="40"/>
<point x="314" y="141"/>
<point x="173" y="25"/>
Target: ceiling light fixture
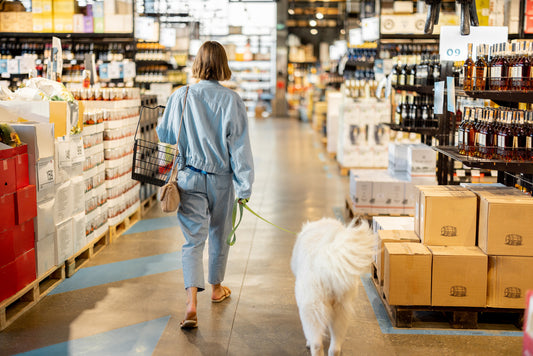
<point x="319" y="15"/>
<point x="291" y="11"/>
<point x="312" y="23"/>
<point x="314" y="31"/>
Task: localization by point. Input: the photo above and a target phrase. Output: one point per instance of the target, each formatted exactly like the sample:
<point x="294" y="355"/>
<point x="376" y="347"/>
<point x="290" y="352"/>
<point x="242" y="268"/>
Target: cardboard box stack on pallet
<point x="19" y="206"/>
<point x="476" y="249"/>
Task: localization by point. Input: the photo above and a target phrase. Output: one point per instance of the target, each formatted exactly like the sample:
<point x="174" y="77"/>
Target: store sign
<point x="370" y="28"/>
<point x="454" y="47"/>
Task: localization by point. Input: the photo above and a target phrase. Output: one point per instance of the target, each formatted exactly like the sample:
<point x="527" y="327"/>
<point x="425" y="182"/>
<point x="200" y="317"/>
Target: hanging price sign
<point x="454" y="47"/>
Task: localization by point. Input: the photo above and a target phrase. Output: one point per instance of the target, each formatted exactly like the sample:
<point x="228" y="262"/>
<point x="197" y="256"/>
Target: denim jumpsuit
<point x="215" y="165"/>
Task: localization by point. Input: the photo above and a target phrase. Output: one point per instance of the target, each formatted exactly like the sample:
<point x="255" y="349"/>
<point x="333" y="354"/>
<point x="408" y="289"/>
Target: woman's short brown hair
<point x="211" y="62"/>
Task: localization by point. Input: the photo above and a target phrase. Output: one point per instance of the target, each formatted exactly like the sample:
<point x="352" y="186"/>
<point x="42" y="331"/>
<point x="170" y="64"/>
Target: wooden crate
<point x="26" y="298"/>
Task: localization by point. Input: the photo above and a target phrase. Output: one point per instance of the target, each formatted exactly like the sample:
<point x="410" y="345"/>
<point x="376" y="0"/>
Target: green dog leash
<point x="240" y="208"/>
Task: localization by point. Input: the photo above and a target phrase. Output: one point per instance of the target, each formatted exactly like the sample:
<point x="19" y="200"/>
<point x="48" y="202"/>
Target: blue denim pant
<point x="205" y="211"/>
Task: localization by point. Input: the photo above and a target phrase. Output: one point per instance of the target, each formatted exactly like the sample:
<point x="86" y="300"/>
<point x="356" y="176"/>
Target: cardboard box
<point x="7" y="207"/>
<point x="505" y="225"/>
<point x="47" y="16"/>
<point x="42" y="175"/>
<point x="387" y="236"/>
<point x="25" y="204"/>
<point x="64" y="241"/>
<point x="509" y="279"/>
<point x="25" y="270"/>
<point x="459" y="276"/>
<point x="78" y="231"/>
<point x="63" y="208"/>
<point x="407" y="274"/>
<point x="39" y="137"/>
<point x="8" y="177"/>
<point x="403" y="24"/>
<point x="37" y="12"/>
<point x="46" y="252"/>
<point x="118" y="23"/>
<point x="21" y="170"/>
<point x="421" y="161"/>
<point x="392" y="223"/>
<point x="447" y="217"/>
<point x="44" y="221"/>
<point x="8" y="285"/>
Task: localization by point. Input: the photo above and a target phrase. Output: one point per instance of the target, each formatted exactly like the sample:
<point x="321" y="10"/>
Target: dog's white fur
<point x="327" y="259"/>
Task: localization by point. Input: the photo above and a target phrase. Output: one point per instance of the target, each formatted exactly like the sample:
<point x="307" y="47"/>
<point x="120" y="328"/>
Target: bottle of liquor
<point x="495" y="72"/>
<point x="490" y="137"/>
<point x="461" y="132"/>
<point x="418" y="111"/>
<point x="507" y="137"/>
<point x="481" y="68"/>
<point x="529" y="136"/>
<point x="394" y="73"/>
<point x="436" y="69"/>
<point x="472" y="134"/>
<point x="468" y="70"/>
<point x="525" y="65"/>
<point x="411" y="73"/>
<point x="398" y="111"/>
<point x="424" y="115"/>
<point x="520" y="137"/>
<point x="405" y="110"/>
<point x="514" y="71"/>
<point x="412" y="111"/>
<point x="402" y="76"/>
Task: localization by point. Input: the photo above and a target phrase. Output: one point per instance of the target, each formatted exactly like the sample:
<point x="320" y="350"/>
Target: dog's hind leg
<point x="338" y="329"/>
<point x="313" y="330"/>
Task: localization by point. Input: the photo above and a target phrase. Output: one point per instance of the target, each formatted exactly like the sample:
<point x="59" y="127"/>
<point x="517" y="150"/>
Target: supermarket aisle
<point x="130" y="299"/>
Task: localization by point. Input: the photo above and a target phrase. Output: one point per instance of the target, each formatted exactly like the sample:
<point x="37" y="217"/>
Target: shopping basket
<point x="152" y="160"/>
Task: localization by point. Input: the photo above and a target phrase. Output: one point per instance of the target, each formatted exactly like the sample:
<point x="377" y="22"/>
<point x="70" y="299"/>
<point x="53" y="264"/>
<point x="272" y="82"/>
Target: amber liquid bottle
<point x="470" y="134"/>
<point x="525" y="65"/>
<point x="490" y="136"/>
<point x="529" y="136"/>
<point x="508" y="138"/>
<point x="500" y="150"/>
<point x="480" y="147"/>
<point x="520" y="135"/>
<point x="481" y="68"/>
<point x="468" y="70"/>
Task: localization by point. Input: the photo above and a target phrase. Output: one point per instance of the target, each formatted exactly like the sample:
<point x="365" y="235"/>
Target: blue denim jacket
<point x="214" y="136"/>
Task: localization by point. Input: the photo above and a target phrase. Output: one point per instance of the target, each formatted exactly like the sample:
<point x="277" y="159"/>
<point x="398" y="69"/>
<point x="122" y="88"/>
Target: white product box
<point x="46" y="254"/>
<point x="44" y="221"/>
<point x="64" y="202"/>
<point x="78" y="194"/>
<point x="393" y="223"/>
<point x="42" y="175"/>
<point x="78" y="231"/>
<point x="77" y="154"/>
<point x="64" y="241"/>
<point x="397" y="157"/>
<point x="421" y="160"/>
<point x="63" y="159"/>
<point x="39" y="137"/>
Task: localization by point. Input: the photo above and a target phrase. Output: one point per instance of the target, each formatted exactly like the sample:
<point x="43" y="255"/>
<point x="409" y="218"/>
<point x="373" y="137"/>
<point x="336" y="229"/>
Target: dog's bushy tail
<point x="346" y="257"/>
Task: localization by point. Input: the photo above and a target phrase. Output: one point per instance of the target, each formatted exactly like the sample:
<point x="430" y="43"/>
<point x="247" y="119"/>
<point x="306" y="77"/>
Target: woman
<point x="215" y="165"/>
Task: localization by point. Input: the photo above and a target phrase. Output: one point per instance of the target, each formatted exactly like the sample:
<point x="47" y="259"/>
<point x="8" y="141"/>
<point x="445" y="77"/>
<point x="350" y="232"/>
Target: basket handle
<point x="141" y="114"/>
<point x="174" y="172"/>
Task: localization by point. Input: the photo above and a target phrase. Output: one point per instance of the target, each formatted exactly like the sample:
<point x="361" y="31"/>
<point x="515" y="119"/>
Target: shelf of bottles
<point x="156" y="64"/>
<point x="494" y="138"/>
<point x="501" y="72"/>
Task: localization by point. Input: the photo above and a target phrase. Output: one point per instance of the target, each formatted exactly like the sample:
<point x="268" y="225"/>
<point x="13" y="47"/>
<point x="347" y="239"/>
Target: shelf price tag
<point x="438" y="103"/>
<point x="454" y="47"/>
<point x="450" y="84"/>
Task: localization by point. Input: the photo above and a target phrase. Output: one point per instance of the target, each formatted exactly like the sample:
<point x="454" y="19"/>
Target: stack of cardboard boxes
<point x="475" y="249"/>
<point x="19" y="207"/>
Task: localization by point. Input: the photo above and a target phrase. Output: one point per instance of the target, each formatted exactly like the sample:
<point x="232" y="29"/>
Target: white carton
<point x="64" y="202"/>
<point x="46" y="254"/>
<point x="44" y="221"/>
<point x="64" y="241"/>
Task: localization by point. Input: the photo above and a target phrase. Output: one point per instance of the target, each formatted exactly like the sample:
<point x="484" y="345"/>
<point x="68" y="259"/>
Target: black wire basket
<point x="152" y="161"/>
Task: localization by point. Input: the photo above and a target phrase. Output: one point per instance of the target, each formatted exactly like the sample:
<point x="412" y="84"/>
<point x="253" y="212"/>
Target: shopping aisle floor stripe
<point x="119" y="271"/>
<point x="153" y="224"/>
<point x="387" y="328"/>
<point x="138" y="339"/>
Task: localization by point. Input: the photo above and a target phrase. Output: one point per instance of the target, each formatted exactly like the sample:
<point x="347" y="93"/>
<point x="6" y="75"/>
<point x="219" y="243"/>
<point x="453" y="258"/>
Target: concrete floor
<point x="295" y="182"/>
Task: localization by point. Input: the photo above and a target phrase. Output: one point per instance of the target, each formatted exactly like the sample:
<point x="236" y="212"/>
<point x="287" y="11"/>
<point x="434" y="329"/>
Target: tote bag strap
<point x="174" y="172"/>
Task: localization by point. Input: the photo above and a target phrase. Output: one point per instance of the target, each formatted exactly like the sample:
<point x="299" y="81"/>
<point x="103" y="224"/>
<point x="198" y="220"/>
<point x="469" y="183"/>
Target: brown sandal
<point x="227" y="293"/>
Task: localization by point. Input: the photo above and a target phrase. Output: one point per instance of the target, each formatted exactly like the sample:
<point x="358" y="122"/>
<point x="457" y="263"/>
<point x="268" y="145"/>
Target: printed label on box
<point x="45" y="173"/>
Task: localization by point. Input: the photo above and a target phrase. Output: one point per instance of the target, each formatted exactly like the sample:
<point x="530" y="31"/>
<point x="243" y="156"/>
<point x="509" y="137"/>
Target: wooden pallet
<point x="26" y="298"/>
<point x="74" y="263"/>
<point x="332" y="155"/>
<point x="116" y="230"/>
<point x="458" y="317"/>
<point x="148" y="204"/>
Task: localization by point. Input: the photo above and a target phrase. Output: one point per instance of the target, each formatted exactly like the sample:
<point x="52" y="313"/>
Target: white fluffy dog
<point x="327" y="260"/>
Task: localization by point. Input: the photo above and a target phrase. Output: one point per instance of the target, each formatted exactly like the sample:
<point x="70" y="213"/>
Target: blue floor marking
<point x="119" y="271"/>
<point x="137" y="339"/>
<point x="339" y="214"/>
<point x="387" y="328"/>
<point x="153" y="224"/>
<point x="322" y="157"/>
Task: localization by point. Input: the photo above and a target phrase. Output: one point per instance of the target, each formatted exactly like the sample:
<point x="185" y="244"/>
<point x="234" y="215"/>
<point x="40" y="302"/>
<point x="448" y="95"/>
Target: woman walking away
<point x="215" y="165"/>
